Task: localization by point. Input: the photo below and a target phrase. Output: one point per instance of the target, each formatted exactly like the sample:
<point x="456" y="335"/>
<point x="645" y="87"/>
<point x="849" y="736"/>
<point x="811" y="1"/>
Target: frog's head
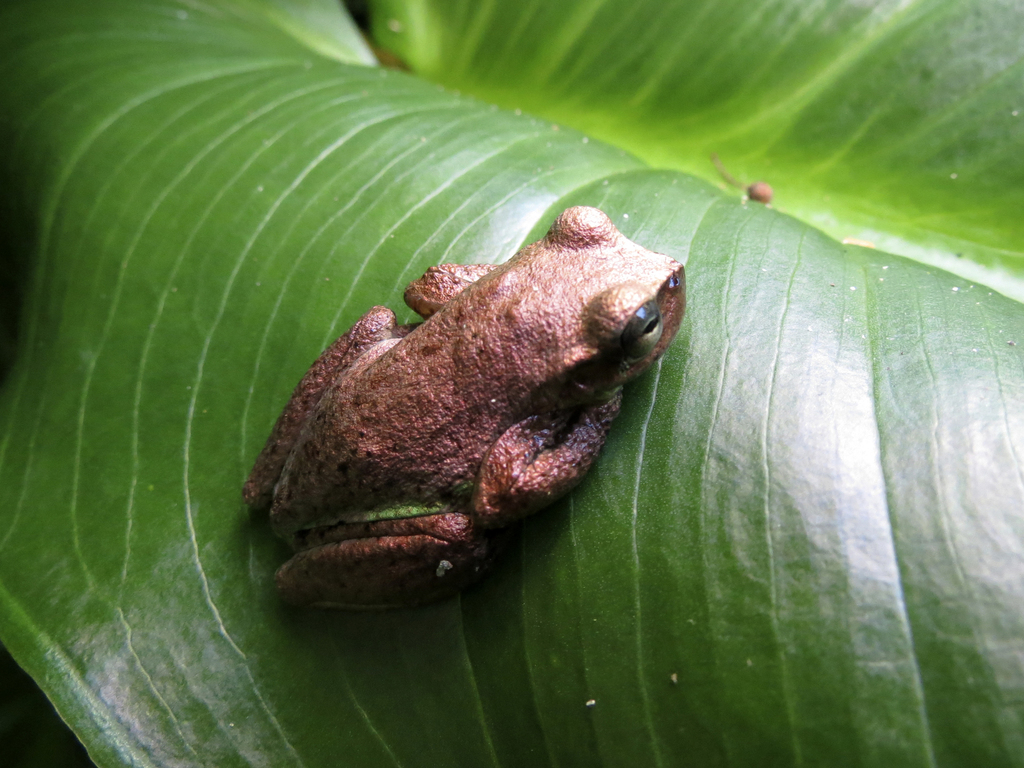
<point x="619" y="304"/>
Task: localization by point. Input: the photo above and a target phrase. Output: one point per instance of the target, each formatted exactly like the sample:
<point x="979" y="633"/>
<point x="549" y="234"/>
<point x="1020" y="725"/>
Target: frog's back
<point x="394" y="432"/>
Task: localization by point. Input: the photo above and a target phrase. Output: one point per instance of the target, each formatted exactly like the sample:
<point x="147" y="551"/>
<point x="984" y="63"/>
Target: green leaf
<point x="893" y="122"/>
<point x="801" y="545"/>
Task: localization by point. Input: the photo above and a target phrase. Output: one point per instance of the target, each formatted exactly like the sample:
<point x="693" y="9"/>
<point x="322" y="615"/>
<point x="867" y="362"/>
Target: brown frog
<point x="407" y="451"/>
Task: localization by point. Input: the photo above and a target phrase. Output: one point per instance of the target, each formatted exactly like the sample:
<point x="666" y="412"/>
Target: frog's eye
<point x="642" y="332"/>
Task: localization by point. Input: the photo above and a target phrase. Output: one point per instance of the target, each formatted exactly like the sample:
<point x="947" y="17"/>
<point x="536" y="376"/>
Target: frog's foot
<point x="387" y="563"/>
<point x="538" y="460"/>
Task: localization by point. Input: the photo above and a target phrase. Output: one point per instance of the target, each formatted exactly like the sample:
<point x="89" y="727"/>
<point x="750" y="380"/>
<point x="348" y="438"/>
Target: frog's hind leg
<point x="375" y="326"/>
<point x="539" y="460"/>
<point x="389" y="564"/>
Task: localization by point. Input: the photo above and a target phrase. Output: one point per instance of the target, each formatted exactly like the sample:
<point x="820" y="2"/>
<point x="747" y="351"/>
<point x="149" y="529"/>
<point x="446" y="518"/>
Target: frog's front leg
<point x="538" y="460"/>
<point x="375" y="326"/>
<point x="441" y="284"/>
<point x="387" y="563"/>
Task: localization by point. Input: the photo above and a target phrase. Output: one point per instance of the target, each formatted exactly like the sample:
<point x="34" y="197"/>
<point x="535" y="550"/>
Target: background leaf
<point x="802" y="543"/>
<point x="895" y="122"/>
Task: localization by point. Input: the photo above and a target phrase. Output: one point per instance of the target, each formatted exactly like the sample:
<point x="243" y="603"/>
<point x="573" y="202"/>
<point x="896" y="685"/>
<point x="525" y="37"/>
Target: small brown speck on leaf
<point x="760" y="192"/>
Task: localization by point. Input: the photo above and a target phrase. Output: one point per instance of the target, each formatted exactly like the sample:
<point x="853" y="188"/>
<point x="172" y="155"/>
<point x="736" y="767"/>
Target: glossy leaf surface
<point x="900" y="123"/>
<point x="802" y="544"/>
